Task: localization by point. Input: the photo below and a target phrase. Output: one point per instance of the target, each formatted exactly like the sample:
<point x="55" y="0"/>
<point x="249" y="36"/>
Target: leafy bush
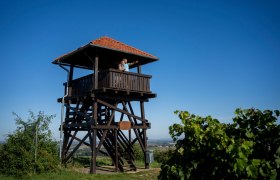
<point x="208" y="149"/>
<point x="162" y="155"/>
<point x="138" y="152"/>
<point x="17" y="155"/>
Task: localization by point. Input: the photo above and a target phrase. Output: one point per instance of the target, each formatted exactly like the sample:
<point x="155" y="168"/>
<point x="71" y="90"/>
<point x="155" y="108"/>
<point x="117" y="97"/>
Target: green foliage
<point x="206" y="148"/>
<point x="260" y="129"/>
<point x="138" y="152"/>
<point x="162" y="155"/>
<point x="17" y="155"/>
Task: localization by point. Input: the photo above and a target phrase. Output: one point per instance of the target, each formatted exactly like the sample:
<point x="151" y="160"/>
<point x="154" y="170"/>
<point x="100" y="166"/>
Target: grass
<point x="71" y="172"/>
<point x="85" y="161"/>
<point x="152" y="165"/>
<point x="72" y="175"/>
<point x="2" y="177"/>
<point x="106" y="161"/>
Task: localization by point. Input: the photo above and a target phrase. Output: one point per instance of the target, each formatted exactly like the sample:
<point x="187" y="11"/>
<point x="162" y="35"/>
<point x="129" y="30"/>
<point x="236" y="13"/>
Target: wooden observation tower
<point x="101" y="108"/>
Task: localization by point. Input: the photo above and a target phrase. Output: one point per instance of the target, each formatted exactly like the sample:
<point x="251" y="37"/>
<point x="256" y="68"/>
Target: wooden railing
<point x="81" y="86"/>
<point x="111" y="79"/>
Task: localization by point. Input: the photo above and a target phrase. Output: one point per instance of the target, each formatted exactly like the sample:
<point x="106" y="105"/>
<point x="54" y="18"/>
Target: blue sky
<point x="215" y="56"/>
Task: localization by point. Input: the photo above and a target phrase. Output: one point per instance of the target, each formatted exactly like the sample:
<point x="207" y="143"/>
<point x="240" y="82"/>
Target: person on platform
<point x="121" y="66"/>
<point x="127" y="65"/>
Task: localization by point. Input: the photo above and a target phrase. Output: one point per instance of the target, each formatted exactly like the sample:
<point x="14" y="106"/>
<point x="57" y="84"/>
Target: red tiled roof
<point x="110" y="43"/>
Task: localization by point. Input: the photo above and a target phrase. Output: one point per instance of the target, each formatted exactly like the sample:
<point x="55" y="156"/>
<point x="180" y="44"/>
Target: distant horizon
<point x="160" y="139"/>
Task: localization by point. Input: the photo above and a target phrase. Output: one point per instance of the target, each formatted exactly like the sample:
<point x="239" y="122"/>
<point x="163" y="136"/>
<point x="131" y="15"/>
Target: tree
<point x="208" y="149"/>
<point x="30" y="148"/>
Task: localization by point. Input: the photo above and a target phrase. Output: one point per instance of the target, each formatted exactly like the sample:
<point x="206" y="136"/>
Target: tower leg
<point x="93" y="152"/>
<point x="94" y="134"/>
<point x="144" y="134"/>
<point x="147" y="165"/>
<point x="116" y="150"/>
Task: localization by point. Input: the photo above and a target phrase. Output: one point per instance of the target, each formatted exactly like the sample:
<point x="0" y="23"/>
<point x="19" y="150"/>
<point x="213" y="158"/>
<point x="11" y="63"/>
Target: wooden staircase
<point x="124" y="153"/>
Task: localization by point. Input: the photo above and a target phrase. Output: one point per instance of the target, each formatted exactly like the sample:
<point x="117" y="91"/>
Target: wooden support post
<point x="147" y="165"/>
<point x="65" y="141"/>
<point x="144" y="134"/>
<point x="94" y="134"/>
<point x="116" y="151"/>
<point x="93" y="152"/>
<point x="70" y="78"/>
<point x="95" y="107"/>
<point x="70" y="81"/>
<point x="139" y="69"/>
<point x="129" y="136"/>
<point x="65" y="135"/>
<point x="96" y="73"/>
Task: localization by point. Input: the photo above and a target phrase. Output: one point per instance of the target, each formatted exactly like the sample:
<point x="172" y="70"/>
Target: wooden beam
<point x="70" y="142"/>
<point x="122" y="115"/>
<point x="75" y="125"/>
<point x="75" y="149"/>
<point x="139" y="139"/>
<point x="119" y="110"/>
<point x="132" y="112"/>
<point x="78" y="139"/>
<point x="78" y="112"/>
<point x="129" y="146"/>
<point x="137" y="132"/>
<point x="104" y="127"/>
<point x="105" y="131"/>
<point x="134" y="141"/>
<point x="135" y="121"/>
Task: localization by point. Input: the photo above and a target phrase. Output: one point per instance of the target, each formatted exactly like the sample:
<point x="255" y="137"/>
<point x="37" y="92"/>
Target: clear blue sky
<point x="215" y="56"/>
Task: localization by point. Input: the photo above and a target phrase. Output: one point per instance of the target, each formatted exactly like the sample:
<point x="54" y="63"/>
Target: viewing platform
<point x="114" y="82"/>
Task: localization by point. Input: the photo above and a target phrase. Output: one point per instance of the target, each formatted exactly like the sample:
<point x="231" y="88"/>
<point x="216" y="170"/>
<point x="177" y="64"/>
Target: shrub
<point x="32" y="137"/>
<point x="208" y="149"/>
<point x="138" y="152"/>
<point x="162" y="155"/>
